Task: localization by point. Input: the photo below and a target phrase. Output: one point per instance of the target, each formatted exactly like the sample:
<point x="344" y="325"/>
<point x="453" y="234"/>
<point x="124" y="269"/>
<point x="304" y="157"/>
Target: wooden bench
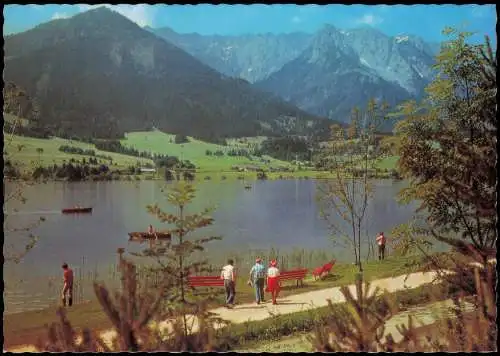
<point x="298" y="275"/>
<point x="319" y="272"/>
<point x="205" y="281"/>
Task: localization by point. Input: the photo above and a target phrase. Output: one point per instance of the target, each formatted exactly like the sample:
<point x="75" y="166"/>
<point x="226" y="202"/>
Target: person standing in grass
<point x="381" y="246"/>
<point x="151" y="232"/>
<point x="68" y="285"/>
<point x="258" y="278"/>
<point x="229" y="278"/>
<point x="273" y="283"/>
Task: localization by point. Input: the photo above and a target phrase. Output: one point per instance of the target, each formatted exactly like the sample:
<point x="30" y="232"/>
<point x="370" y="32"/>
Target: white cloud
<point x="60" y="15"/>
<point x="296" y="19"/>
<point x="141" y="14"/>
<point x="369" y="19"/>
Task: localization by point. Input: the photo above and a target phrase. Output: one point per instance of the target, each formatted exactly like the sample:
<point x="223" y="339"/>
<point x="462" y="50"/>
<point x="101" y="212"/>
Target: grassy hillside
<point x="23" y="151"/>
<point x="195" y="151"/>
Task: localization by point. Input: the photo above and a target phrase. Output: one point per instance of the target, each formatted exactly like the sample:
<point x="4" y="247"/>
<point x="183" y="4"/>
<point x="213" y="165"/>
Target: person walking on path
<point x="381" y="246"/>
<point x="67" y="290"/>
<point x="258" y="278"/>
<point x="273" y="283"/>
<point x="229" y="278"/>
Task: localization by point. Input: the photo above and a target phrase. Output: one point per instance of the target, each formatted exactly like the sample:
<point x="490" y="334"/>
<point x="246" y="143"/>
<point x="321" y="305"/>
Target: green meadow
<point x="195" y="151"/>
<point x="29" y="152"/>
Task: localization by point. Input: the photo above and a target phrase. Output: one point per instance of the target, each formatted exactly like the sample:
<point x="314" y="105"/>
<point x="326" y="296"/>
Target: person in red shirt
<point x="381" y="246"/>
<point x="68" y="285"/>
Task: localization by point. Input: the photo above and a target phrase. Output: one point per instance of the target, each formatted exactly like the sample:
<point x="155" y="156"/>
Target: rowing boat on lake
<point x="143" y="236"/>
<point x="77" y="211"/>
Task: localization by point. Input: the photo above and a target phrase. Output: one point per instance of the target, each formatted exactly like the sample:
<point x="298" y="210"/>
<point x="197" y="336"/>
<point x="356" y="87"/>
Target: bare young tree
<point x="344" y="198"/>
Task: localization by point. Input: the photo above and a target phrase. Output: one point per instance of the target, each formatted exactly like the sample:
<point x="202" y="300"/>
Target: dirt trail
<point x="290" y="304"/>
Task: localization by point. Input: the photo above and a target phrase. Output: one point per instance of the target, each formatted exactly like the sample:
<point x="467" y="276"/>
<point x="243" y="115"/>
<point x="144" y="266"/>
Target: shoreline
<point x="200" y="176"/>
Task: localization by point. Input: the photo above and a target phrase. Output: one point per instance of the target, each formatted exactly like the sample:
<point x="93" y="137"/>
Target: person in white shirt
<point x="273" y="283"/>
<point x="228" y="276"/>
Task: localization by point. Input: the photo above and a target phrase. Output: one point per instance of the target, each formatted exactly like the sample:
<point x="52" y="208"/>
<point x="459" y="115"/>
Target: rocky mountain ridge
<point x="314" y="71"/>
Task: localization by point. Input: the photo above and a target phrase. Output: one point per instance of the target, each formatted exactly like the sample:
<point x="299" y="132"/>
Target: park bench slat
<point x="203" y="278"/>
<point x="208" y="282"/>
<point x="293" y="274"/>
<point x="298" y="275"/>
<point x="205" y="281"/>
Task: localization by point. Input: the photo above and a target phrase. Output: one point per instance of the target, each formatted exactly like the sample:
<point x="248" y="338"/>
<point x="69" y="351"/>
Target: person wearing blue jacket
<point x="258" y="278"/>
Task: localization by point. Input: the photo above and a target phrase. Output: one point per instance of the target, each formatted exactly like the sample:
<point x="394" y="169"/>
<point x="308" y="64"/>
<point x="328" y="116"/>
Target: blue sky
<point x="426" y="21"/>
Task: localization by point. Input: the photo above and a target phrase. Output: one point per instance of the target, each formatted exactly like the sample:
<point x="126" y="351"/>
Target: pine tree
<point x="173" y="258"/>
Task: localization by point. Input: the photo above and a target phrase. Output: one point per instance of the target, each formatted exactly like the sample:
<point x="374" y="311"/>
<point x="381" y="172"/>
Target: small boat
<point x="77" y="211"/>
<point x="143" y="236"/>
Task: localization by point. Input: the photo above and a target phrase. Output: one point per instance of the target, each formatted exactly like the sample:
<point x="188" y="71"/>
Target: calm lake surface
<point x="282" y="214"/>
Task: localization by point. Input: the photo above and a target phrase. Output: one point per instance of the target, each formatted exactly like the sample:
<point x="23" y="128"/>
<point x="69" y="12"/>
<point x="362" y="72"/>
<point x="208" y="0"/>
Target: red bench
<point x="298" y="275"/>
<point x="205" y="281"/>
<point x="319" y="272"/>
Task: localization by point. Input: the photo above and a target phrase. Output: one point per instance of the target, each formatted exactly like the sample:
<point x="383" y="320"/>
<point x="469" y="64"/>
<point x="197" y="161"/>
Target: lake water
<point x="282" y="214"/>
